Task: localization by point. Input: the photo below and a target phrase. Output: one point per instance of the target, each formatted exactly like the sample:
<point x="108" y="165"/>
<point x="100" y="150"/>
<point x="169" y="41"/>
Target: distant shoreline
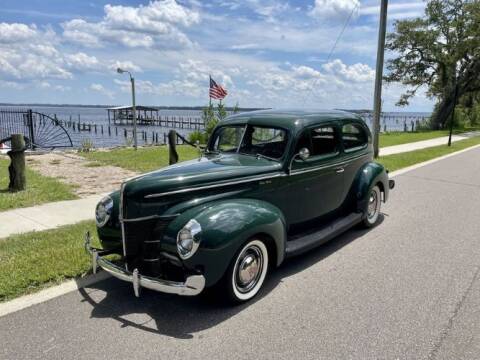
<point x="228" y="108"/>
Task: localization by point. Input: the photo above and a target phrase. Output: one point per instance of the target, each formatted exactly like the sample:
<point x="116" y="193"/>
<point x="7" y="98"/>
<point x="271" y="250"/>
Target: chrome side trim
<point x="295" y="172"/>
<point x="120" y="218"/>
<point x="150" y="196"/>
<point x="160" y="217"/>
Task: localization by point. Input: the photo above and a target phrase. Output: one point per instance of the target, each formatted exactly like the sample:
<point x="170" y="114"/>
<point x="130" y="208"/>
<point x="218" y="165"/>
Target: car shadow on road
<point x="181" y="317"/>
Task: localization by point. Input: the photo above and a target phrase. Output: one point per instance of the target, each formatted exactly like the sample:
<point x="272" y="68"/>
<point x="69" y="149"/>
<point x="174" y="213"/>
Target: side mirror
<point x="303" y="154"/>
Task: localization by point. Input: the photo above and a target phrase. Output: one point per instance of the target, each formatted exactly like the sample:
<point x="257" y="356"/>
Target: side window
<point x="324" y="141"/>
<point x="353" y="136"/>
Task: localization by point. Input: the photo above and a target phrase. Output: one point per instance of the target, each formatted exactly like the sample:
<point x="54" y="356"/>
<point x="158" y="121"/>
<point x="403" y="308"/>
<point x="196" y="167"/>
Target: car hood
<point x="198" y="172"/>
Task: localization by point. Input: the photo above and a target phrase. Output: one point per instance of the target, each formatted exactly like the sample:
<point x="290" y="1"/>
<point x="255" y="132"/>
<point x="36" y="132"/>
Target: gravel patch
<point x="87" y="178"/>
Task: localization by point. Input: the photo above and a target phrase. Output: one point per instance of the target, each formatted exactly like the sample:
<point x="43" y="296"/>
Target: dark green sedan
<point x="270" y="184"/>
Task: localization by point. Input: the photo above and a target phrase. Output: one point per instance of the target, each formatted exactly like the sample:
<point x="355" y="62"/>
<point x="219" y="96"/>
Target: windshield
<point x="251" y="140"/>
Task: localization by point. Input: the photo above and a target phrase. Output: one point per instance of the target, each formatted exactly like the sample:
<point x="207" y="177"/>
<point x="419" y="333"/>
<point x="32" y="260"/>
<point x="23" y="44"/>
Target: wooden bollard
<point x="172" y="150"/>
<point x="16" y="170"/>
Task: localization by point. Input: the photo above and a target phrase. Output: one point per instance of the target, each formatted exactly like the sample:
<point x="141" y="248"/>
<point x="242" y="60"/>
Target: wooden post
<point x="16" y="170"/>
<point x="172" y="151"/>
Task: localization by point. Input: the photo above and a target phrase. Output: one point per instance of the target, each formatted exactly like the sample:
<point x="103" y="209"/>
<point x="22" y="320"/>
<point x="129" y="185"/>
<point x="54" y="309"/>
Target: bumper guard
<point x="193" y="285"/>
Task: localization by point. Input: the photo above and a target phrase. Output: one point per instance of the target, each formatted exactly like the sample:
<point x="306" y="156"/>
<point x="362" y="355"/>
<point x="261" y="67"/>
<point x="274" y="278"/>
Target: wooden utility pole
<point x="16" y="170"/>
<point x="172" y="147"/>
<point x="377" y="102"/>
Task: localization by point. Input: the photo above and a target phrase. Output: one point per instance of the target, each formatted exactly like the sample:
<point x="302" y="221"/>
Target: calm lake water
<point x="390" y="121"/>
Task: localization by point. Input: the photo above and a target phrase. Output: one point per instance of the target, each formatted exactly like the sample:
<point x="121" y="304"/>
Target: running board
<point x="301" y="244"/>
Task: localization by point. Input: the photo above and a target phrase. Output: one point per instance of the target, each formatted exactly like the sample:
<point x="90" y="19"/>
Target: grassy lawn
<point x="142" y="160"/>
<point x="31" y="261"/>
<point x="40" y="189"/>
<point x="398" y="161"/>
<point x="400" y="137"/>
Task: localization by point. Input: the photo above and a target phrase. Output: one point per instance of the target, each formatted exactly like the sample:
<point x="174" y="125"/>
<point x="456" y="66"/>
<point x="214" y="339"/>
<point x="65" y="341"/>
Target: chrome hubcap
<point x="372" y="204"/>
<point x="250" y="264"/>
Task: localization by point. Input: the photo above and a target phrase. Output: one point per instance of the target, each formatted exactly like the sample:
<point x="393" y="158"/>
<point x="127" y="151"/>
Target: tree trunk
<point x="16" y="170"/>
<point x="172" y="151"/>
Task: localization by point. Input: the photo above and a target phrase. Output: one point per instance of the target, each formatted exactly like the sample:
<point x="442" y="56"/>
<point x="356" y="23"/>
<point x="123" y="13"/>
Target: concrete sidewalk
<point x="47" y="216"/>
<point x="418" y="145"/>
<point x="51" y="215"/>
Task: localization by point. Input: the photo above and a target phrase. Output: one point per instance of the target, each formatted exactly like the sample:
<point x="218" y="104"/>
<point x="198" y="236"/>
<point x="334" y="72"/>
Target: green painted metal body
<point x="235" y="196"/>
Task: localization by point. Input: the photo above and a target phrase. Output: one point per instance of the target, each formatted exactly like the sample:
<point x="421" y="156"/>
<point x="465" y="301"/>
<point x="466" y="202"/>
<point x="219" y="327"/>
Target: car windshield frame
<point x="238" y="150"/>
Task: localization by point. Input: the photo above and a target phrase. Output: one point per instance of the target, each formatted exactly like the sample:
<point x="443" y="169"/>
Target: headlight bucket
<point x="103" y="211"/>
<point x="187" y="241"/>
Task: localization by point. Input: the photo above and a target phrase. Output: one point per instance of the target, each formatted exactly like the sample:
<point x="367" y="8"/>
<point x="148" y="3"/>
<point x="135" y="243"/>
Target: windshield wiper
<point x="258" y="156"/>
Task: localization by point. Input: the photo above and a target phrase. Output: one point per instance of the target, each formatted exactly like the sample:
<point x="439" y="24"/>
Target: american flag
<point x="217" y="91"/>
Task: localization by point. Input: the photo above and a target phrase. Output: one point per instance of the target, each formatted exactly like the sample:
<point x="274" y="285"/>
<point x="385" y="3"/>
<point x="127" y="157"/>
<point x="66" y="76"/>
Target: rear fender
<point x="370" y="174"/>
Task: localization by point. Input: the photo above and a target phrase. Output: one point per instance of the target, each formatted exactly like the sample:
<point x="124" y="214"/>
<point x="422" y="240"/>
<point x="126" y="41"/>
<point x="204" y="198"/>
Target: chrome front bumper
<point x="192" y="286"/>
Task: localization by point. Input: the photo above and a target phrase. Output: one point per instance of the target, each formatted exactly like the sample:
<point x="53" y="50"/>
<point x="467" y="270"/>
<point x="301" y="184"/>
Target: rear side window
<point x="319" y="141"/>
<point x="354" y="137"/>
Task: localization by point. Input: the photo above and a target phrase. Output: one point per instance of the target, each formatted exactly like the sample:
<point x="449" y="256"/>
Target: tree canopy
<point x="439" y="52"/>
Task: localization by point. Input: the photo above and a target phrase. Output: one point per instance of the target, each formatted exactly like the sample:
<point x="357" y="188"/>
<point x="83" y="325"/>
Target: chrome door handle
<point x="339" y="170"/>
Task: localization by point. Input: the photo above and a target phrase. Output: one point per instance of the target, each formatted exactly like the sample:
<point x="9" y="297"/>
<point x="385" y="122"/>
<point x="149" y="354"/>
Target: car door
<point x="316" y="184"/>
<point x="357" y="150"/>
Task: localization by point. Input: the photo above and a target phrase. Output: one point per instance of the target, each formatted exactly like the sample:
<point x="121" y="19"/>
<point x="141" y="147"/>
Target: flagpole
<point x="209" y="96"/>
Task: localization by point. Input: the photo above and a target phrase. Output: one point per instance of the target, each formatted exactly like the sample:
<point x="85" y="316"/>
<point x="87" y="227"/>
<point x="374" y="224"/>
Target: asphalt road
<point x="408" y="289"/>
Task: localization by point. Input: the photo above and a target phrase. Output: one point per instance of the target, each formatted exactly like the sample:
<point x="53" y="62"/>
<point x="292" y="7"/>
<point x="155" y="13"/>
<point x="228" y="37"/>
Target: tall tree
<point x="439" y="52"/>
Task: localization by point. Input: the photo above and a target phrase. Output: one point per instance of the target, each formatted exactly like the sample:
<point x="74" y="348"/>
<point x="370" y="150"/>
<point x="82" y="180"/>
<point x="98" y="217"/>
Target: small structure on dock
<point x="123" y="115"/>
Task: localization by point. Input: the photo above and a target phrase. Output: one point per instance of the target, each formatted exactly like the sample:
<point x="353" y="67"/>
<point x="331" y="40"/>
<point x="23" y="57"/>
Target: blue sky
<point x="268" y="53"/>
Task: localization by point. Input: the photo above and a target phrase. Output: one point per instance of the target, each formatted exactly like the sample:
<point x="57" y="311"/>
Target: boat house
<point x="123" y="115"/>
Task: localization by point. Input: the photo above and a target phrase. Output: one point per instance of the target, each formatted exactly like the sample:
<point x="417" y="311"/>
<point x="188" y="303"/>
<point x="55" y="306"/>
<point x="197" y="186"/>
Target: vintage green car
<point x="269" y="185"/>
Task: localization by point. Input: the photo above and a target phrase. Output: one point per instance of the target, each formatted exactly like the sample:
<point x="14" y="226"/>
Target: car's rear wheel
<point x="372" y="207"/>
<point x="247" y="272"/>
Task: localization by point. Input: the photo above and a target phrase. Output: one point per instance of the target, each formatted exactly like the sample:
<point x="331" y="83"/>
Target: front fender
<point x="226" y="225"/>
<point x="369" y="174"/>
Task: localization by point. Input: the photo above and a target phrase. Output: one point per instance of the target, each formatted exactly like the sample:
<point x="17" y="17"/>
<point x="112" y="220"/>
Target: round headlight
<point x="103" y="211"/>
<point x="187" y="243"/>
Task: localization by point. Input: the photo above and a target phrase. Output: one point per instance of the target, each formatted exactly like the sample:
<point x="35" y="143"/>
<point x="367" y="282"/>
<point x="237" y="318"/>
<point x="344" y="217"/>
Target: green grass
<point x="397" y="137"/>
<point x="398" y="161"/>
<point x="40" y="189"/>
<point x="32" y="261"/>
<point x="142" y="160"/>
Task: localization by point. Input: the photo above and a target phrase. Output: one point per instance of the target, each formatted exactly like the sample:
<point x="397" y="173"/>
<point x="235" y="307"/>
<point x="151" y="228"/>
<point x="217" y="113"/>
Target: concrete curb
<point x="72" y="285"/>
<point x="26" y="301"/>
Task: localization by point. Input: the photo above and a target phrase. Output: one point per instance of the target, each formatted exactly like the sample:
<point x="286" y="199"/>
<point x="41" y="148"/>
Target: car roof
<point x="293" y="120"/>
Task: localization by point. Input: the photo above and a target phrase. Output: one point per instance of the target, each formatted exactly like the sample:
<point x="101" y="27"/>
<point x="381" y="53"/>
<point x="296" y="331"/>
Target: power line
<point x="332" y="50"/>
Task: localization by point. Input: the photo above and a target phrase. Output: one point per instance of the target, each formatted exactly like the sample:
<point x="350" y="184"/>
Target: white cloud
<point x="125" y="65"/>
<point x="82" y="62"/>
<point x="15" y="32"/>
<point x="356" y="72"/>
<point x="102" y="90"/>
<point x="333" y="9"/>
<point x="156" y="24"/>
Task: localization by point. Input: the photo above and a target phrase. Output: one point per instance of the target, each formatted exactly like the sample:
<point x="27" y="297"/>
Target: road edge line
<point x="53" y="292"/>
<point x="431" y="161"/>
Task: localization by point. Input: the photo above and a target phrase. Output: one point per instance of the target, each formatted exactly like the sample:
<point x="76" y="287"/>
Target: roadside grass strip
<point x="402" y="160"/>
<point x="141" y="160"/>
<point x="35" y="260"/>
<point x="40" y="189"/>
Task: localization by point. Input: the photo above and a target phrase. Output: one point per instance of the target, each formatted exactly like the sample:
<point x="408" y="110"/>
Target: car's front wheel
<point x="247" y="272"/>
<point x="372" y="207"/>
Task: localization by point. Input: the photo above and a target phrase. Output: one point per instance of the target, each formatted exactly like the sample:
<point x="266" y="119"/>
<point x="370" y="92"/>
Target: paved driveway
<point x="408" y="289"/>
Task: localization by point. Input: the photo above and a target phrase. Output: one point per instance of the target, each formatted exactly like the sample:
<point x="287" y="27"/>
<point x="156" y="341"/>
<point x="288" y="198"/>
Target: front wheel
<point x="247" y="272"/>
<point x="372" y="207"/>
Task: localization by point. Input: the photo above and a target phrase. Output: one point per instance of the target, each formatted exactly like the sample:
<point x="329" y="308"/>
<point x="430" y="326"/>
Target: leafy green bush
<point x="197" y="136"/>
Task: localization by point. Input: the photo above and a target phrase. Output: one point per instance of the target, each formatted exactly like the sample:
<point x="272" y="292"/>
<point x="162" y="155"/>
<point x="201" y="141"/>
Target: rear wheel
<point x="372" y="207"/>
<point x="247" y="272"/>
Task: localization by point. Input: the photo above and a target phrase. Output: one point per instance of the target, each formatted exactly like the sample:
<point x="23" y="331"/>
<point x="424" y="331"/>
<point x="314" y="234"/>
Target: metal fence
<point x="39" y="130"/>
